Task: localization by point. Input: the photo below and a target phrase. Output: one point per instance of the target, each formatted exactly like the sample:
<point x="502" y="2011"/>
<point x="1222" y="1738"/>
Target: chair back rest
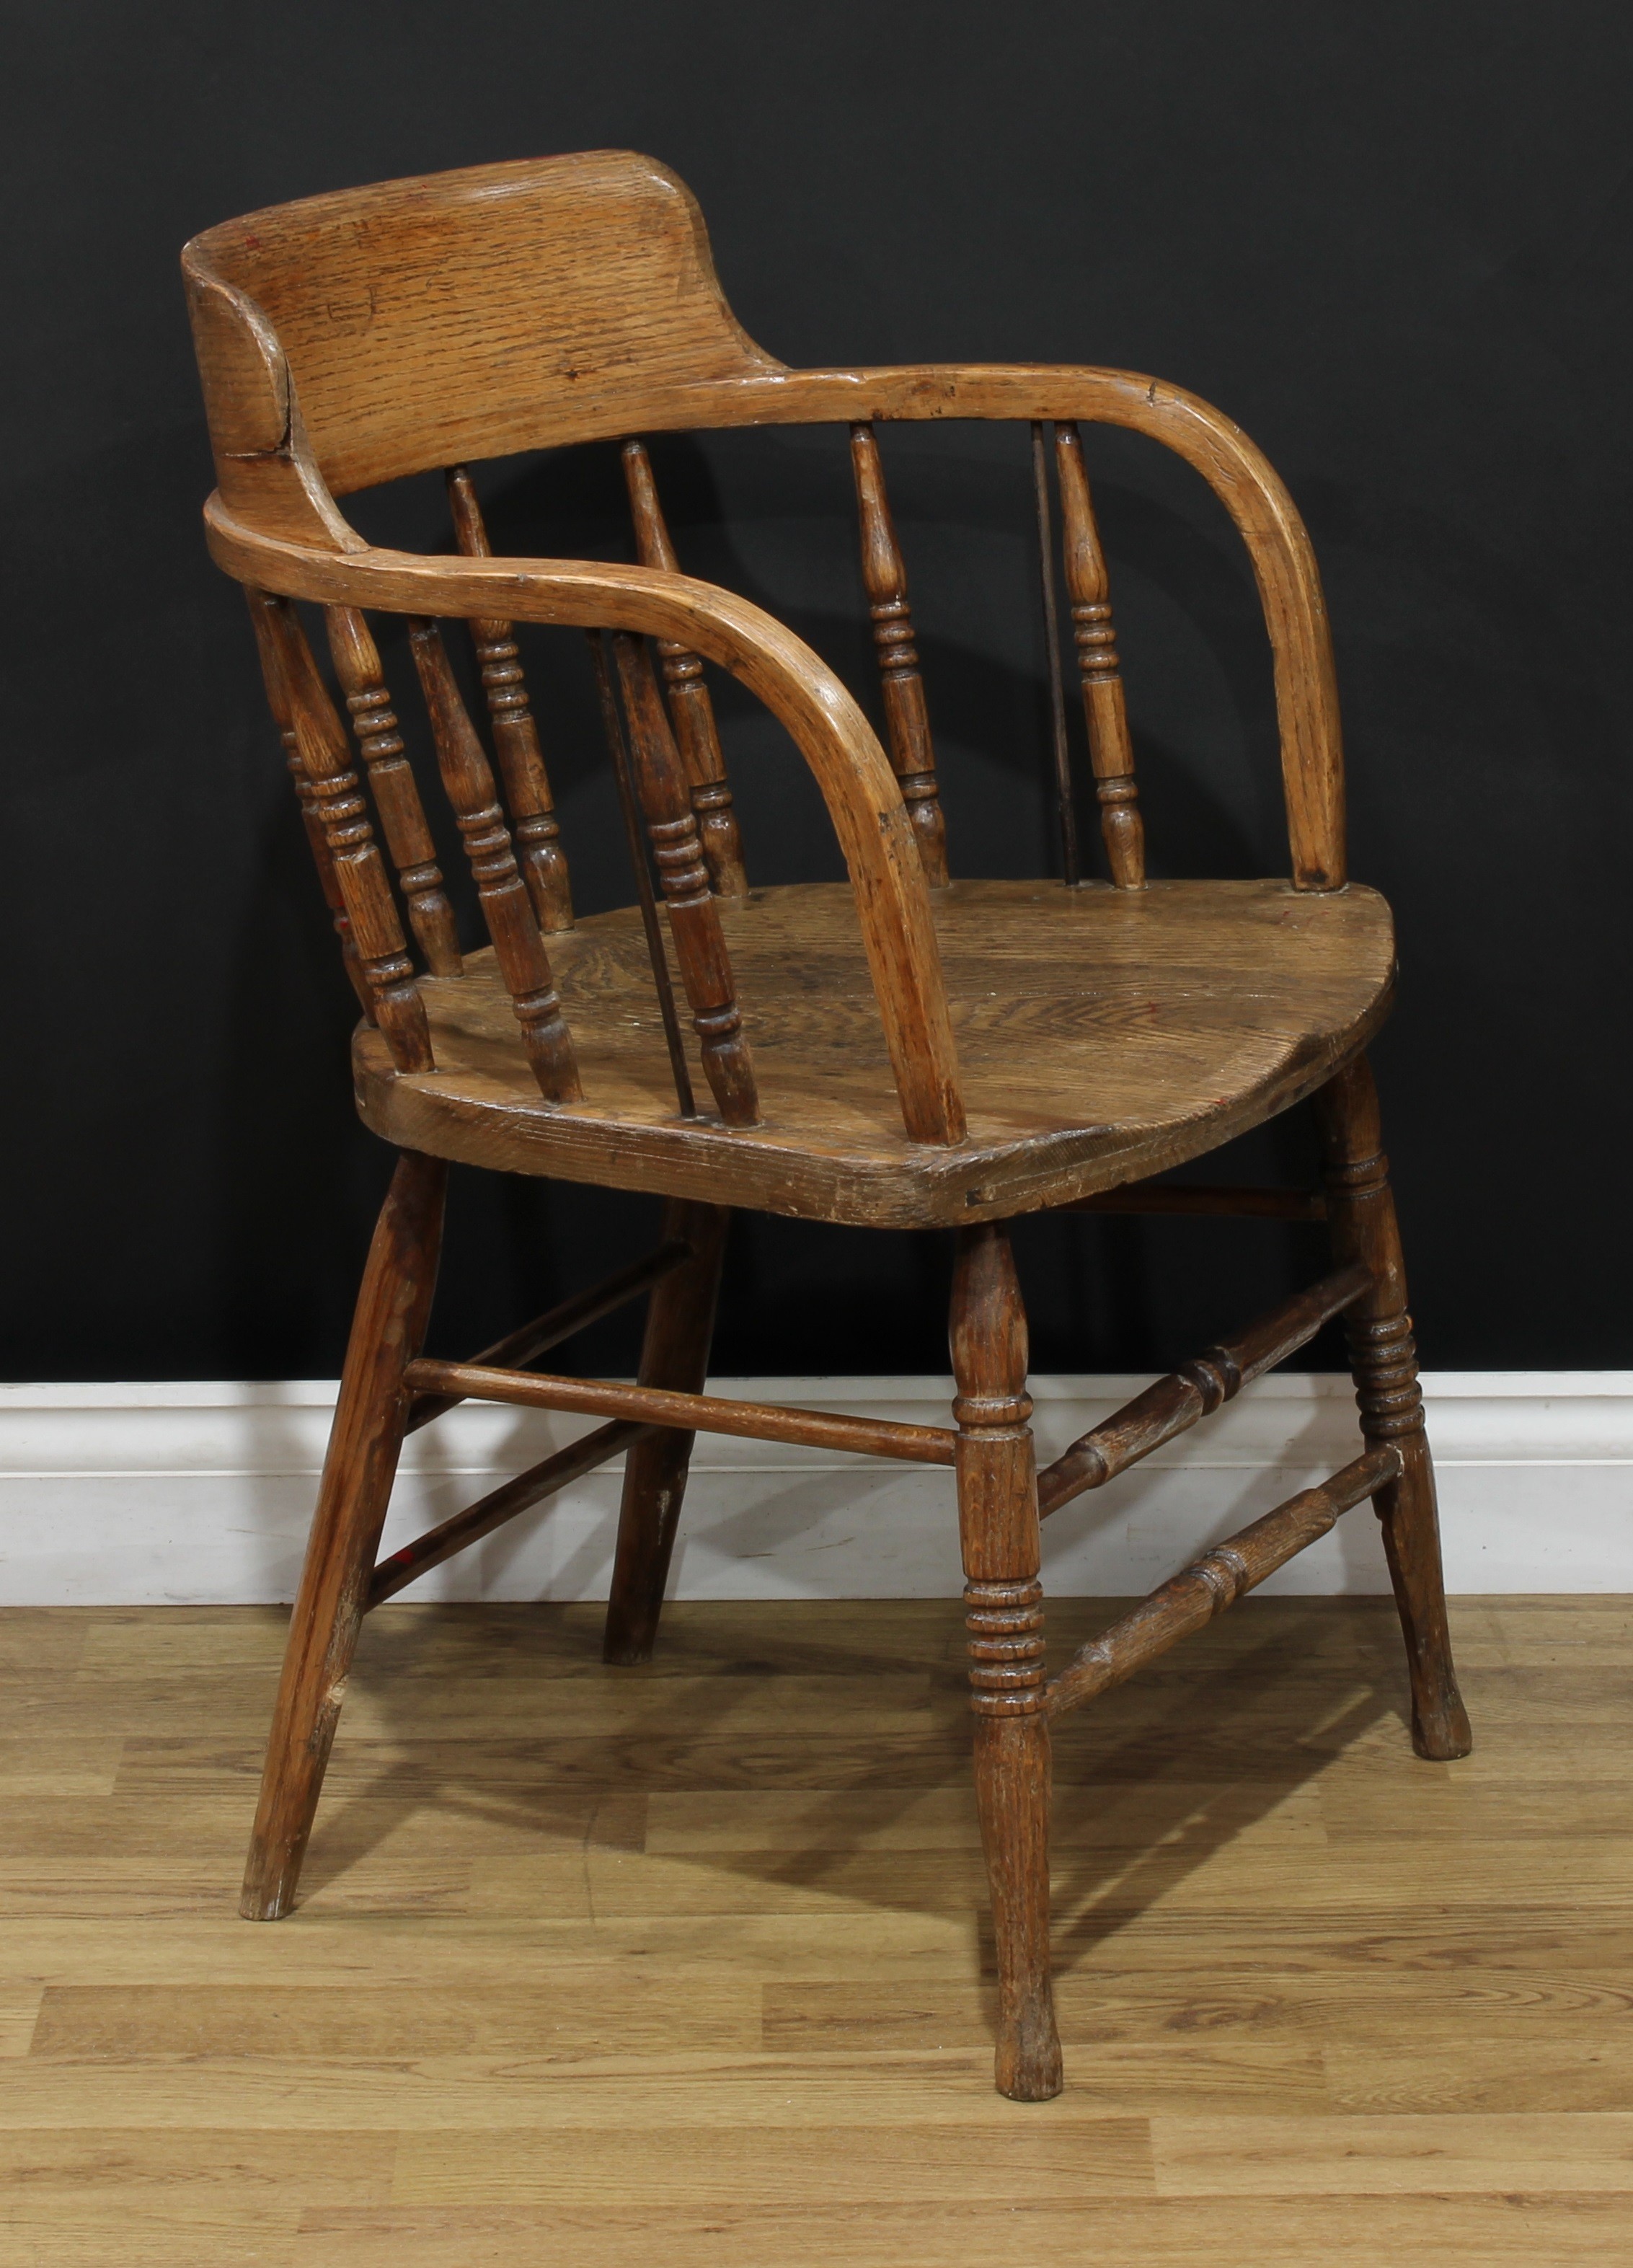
<point x="465" y="314"/>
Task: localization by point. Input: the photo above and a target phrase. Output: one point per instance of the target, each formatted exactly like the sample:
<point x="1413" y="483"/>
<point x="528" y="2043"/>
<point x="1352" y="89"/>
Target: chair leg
<point x="388" y="1327"/>
<point x="674" y="1353"/>
<point x="1384" y="1361"/>
<point x="1003" y="1609"/>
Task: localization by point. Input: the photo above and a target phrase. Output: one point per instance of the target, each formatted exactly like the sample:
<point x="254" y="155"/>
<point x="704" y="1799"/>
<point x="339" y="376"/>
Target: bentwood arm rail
<point x="1272" y="531"/>
<point x="608" y="238"/>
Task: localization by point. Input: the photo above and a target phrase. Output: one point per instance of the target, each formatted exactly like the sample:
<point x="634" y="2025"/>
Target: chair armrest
<point x="830" y="731"/>
<point x="1243" y="479"/>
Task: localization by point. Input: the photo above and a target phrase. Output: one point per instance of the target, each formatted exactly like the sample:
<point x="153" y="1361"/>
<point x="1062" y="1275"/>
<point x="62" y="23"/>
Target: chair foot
<point x="1442" y="1734"/>
<point x="393" y="1307"/>
<point x="655" y="1476"/>
<point x="1028" y="2067"/>
<point x="1012" y="1794"/>
<point x="1412" y="1544"/>
<point x="674" y="1353"/>
<point x="272" y="1871"/>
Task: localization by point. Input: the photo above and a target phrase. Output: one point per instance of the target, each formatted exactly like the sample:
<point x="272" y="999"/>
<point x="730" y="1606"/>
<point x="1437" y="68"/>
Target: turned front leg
<point x="1383" y="1359"/>
<point x="1004" y="1604"/>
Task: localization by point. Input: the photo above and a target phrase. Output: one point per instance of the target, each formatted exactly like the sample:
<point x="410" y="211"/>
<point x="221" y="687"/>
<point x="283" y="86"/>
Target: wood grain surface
<point x="1102" y="1035"/>
<point x="596" y="1964"/>
<point x="893" y="1054"/>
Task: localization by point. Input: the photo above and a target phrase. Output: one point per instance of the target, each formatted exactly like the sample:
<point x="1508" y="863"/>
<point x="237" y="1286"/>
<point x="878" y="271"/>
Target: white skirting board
<point x="201" y="1493"/>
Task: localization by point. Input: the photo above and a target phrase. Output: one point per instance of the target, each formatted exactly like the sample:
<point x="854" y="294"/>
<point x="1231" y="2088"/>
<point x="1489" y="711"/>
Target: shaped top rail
<point x="488" y="307"/>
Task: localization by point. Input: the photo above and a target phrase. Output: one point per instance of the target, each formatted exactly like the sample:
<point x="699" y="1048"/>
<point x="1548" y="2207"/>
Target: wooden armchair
<point x="908" y="1051"/>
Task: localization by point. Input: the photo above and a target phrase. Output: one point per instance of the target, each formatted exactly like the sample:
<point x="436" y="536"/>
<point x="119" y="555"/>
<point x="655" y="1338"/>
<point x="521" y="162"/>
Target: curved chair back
<point x="354" y="338"/>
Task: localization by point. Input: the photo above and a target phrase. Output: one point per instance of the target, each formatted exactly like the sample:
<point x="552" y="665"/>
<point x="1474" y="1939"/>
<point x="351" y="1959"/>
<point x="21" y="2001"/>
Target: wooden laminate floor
<point x="689" y="1966"/>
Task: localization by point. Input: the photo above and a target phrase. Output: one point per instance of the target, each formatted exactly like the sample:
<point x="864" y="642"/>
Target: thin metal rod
<point x="690" y="1413"/>
<point x="1051" y="638"/>
<point x="1223" y="1199"/>
<point x="519" y="1347"/>
<point x="500" y="1503"/>
<point x="659" y="959"/>
<point x="1217" y="1581"/>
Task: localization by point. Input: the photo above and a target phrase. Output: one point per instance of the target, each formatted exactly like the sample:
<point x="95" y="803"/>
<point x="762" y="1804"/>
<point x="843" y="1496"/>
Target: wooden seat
<point x="915" y="1048"/>
<point x="1102" y="1035"/>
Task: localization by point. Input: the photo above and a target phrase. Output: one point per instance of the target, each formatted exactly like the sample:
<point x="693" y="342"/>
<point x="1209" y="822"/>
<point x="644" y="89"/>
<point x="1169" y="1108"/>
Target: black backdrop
<point x="1388" y="240"/>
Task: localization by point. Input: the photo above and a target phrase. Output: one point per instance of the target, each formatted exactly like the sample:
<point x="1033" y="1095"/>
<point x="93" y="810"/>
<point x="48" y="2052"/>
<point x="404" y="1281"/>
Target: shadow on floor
<point x="829" y="1702"/>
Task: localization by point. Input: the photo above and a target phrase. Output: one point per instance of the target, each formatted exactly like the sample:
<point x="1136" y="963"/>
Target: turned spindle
<point x="693" y="916"/>
<point x="320" y="739"/>
<point x="539" y="852"/>
<point x="691" y="711"/>
<point x="630" y="810"/>
<point x="1110" y="749"/>
<point x="311" y="817"/>
<point x="391" y="782"/>
<point x="907" y="721"/>
<point x="518" y="946"/>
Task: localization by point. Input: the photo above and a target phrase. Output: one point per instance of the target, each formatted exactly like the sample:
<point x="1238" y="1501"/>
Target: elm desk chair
<point x="907" y="1051"/>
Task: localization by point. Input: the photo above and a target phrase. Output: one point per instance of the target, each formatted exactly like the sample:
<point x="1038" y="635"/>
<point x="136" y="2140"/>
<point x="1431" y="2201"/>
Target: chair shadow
<point x="1156" y="1742"/>
<point x="1174" y="1731"/>
<point x="1173" y="1735"/>
<point x="396" y="1646"/>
